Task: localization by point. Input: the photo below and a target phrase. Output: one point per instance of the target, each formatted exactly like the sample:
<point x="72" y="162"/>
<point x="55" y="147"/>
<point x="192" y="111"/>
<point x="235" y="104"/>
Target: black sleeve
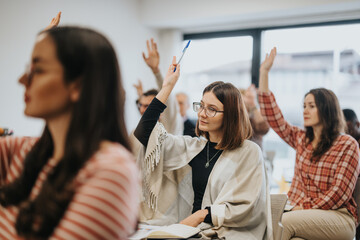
<point x="149" y="120"/>
<point x="208" y="216"/>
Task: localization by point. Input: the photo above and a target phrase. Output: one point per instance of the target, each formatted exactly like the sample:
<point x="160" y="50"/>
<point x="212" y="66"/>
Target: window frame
<point x="256" y="34"/>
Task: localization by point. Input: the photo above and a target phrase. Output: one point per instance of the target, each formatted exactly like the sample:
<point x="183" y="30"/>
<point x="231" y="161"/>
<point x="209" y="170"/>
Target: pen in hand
<point x="183" y="52"/>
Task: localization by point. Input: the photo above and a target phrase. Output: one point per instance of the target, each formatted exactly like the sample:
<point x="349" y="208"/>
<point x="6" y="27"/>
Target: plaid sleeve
<point x="343" y="185"/>
<point x="272" y="113"/>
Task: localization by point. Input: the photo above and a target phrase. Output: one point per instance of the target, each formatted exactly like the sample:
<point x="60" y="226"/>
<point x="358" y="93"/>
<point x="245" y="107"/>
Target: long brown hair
<point x="236" y="125"/>
<point x="331" y="118"/>
<point x="97" y="116"/>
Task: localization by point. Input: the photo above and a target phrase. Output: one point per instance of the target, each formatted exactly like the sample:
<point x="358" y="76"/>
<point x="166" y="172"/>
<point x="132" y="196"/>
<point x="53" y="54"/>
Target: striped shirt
<point x="325" y="184"/>
<point x="105" y="203"/>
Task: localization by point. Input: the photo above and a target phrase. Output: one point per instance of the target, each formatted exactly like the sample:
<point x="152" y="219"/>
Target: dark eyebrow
<point x="211" y="105"/>
<point x="38" y="60"/>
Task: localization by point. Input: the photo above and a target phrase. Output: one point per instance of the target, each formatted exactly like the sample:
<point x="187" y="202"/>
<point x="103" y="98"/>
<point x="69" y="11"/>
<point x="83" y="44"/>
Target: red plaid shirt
<point x="326" y="184"/>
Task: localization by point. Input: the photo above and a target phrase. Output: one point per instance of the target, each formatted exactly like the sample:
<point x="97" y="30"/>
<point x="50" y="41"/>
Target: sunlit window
<point x="218" y="59"/>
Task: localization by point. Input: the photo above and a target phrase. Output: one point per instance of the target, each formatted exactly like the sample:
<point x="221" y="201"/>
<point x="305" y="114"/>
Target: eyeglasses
<point x="209" y="111"/>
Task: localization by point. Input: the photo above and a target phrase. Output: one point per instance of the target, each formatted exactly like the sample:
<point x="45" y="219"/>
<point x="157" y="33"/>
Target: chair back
<point x="356" y="195"/>
<point x="278" y="202"/>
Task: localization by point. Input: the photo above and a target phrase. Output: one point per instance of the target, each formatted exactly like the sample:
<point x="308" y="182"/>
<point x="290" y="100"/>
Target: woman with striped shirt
<point x="326" y="165"/>
<point x="78" y="180"/>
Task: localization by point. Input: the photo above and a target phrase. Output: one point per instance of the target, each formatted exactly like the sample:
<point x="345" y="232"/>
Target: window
<point x="217" y="59"/>
<point x="308" y="57"/>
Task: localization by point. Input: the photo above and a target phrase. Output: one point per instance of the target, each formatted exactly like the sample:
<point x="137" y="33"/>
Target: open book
<point x="172" y="231"/>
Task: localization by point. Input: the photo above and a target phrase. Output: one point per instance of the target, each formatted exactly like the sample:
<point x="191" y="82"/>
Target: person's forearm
<point x="274" y="117"/>
<point x="159" y="79"/>
<point x="264" y="81"/>
<point x="261" y="124"/>
<point x="169" y="82"/>
<point x="155" y="70"/>
<point x="164" y="93"/>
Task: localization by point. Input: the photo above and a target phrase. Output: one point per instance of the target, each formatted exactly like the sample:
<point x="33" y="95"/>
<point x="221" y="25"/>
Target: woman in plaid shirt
<point x="326" y="168"/>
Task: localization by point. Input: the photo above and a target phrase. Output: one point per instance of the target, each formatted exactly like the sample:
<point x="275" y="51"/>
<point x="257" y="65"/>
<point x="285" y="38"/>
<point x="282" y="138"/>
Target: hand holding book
<point x="196" y="218"/>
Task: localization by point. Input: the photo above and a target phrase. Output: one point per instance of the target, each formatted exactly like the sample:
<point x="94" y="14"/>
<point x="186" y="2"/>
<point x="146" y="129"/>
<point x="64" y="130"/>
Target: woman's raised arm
<point x="54" y="22"/>
<point x="264" y="71"/>
<point x="169" y="81"/>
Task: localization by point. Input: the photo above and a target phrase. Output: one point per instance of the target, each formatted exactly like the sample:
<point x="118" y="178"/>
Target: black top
<point x="200" y="174"/>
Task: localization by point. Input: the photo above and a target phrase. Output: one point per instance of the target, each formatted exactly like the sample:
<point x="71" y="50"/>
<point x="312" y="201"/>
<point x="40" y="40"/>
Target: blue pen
<point x="183" y="52"/>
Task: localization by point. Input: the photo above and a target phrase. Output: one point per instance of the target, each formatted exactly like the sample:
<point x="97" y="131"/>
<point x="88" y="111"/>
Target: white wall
<point x="21" y="20"/>
<point x="214" y="15"/>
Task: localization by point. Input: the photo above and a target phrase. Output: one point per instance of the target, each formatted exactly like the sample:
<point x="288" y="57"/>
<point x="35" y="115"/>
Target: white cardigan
<point x="237" y="189"/>
<point x="171" y="118"/>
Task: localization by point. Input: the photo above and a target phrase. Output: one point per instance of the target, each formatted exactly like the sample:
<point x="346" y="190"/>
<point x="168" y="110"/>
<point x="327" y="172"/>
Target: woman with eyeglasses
<point x="79" y="179"/>
<point x="229" y="193"/>
<point x="326" y="164"/>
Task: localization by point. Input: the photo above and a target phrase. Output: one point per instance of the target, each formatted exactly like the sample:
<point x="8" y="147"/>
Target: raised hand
<point x="153" y="58"/>
<point x="54" y="22"/>
<point x="139" y="88"/>
<point x="264" y="71"/>
<point x="171" y="76"/>
<point x="269" y="60"/>
<point x="169" y="81"/>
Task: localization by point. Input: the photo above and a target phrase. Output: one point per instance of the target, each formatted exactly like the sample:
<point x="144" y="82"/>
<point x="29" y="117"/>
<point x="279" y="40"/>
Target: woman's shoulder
<point x="18" y="139"/>
<point x="195" y="139"/>
<point x="246" y="156"/>
<point x="13" y="144"/>
<point x="251" y="146"/>
<point x="344" y="144"/>
<point x="112" y="157"/>
<point x="345" y="139"/>
<point x="246" y="149"/>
